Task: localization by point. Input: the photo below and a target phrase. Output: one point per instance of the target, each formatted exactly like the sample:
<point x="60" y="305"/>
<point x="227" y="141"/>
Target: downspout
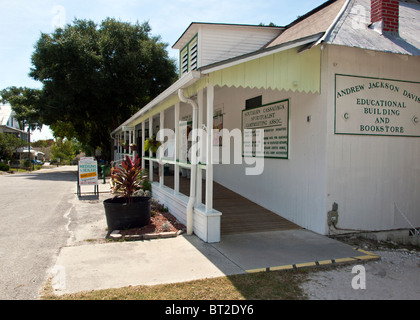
<point x="190" y="206"/>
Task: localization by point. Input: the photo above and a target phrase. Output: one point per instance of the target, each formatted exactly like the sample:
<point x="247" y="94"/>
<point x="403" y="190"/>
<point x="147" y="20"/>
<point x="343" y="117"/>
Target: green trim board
<point x="376" y="106"/>
<point x="273" y="118"/>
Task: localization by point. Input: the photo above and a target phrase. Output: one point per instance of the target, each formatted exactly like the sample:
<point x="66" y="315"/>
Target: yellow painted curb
<point x="287" y="267"/>
<point x="367" y="256"/>
<point x="366" y="252"/>
<point x="256" y="270"/>
<point x="307" y="264"/>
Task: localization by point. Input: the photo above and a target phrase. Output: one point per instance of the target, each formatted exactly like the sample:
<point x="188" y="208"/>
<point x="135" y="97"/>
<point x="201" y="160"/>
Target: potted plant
<point x="133" y="147"/>
<point x="152" y="144"/>
<point x="125" y="145"/>
<point x="127" y="210"/>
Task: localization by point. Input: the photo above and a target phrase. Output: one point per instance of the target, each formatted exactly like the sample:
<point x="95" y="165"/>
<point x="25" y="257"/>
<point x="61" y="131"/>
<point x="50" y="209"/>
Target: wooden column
<point x="150" y="151"/>
<point x="176" y="153"/>
<point x="143" y="162"/>
<point x="160" y="155"/>
<point x="209" y="148"/>
<point x="199" y="186"/>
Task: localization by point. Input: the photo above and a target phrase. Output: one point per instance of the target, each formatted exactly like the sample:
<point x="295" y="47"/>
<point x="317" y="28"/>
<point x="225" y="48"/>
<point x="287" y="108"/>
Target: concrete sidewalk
<point x="150" y="262"/>
<point x="87" y="264"/>
<point x="184" y="258"/>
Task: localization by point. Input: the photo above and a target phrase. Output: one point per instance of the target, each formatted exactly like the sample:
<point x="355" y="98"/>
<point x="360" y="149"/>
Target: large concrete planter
<point x="121" y="215"/>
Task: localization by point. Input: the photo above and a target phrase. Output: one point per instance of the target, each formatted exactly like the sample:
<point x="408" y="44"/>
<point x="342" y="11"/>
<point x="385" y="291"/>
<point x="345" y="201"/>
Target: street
<point x="34" y="226"/>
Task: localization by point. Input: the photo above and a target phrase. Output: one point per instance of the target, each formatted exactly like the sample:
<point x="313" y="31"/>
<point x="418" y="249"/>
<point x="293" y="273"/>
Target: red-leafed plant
<point x="128" y="178"/>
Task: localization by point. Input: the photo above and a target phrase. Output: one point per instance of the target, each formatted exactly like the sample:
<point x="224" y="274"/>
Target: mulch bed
<point x="159" y="222"/>
<point x="162" y="225"/>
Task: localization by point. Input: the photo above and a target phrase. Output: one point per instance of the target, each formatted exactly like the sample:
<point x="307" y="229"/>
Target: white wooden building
<point x="9" y="124"/>
<point x="337" y="95"/>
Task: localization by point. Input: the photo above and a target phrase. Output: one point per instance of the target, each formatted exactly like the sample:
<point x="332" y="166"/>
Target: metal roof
<point x="353" y="29"/>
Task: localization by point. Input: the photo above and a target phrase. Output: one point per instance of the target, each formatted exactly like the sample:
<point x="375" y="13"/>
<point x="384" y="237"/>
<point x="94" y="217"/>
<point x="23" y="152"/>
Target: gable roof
<point x="195" y="26"/>
<point x="5" y="113"/>
<point x="314" y="22"/>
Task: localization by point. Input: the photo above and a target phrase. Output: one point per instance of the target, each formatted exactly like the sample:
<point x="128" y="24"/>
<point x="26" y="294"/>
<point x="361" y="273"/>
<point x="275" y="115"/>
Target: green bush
<point x="4" y="167"/>
<point x="27" y="164"/>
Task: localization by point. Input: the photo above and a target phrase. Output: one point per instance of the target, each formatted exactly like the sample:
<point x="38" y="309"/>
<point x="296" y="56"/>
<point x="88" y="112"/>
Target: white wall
<point x="221" y="42"/>
<point x="366" y="175"/>
<point x="293" y="188"/>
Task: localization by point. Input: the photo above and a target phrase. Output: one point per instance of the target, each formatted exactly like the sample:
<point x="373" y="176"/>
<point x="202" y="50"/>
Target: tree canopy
<point x="24" y="102"/>
<point x="96" y="76"/>
<point x="8" y="145"/>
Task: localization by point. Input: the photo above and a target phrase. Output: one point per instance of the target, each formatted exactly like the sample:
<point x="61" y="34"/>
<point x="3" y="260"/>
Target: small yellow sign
<point x="88" y="175"/>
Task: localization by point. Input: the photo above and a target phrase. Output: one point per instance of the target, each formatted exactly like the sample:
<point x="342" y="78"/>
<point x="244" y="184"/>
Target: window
<point x="253" y="102"/>
<point x="189" y="56"/>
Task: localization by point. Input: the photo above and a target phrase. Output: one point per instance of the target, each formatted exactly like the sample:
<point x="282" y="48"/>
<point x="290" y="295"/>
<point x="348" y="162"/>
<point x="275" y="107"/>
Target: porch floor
<point x="239" y="214"/>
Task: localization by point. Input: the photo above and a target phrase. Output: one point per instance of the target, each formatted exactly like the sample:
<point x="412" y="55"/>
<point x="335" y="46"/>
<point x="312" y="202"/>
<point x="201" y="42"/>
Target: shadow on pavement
<point x="46" y="175"/>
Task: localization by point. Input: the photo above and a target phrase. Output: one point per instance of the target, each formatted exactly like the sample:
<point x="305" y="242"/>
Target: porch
<point x="210" y="210"/>
<point x="239" y="214"/>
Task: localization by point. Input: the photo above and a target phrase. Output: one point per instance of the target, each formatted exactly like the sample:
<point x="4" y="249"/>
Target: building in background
<point x="9" y="124"/>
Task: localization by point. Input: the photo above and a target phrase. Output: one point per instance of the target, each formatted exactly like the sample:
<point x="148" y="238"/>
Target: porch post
<point x="119" y="147"/>
<point x="209" y="154"/>
<point x="161" y="137"/>
<point x="143" y="162"/>
<point x="125" y="142"/>
<point x="150" y="151"/>
<point x="135" y="152"/>
<point x="199" y="188"/>
<point x="130" y="141"/>
<point x="117" y="154"/>
<point x="176" y="153"/>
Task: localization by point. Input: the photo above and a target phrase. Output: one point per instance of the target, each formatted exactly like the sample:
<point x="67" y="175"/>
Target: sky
<point x="23" y="21"/>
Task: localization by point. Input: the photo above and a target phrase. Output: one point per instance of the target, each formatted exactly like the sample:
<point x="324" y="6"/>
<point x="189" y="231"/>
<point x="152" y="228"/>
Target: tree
<point x="25" y="103"/>
<point x="8" y="145"/>
<point x="96" y="76"/>
<point x="64" y="150"/>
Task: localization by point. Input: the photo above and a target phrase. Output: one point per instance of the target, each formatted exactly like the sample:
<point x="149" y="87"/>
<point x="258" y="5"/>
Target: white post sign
<point x="372" y="106"/>
<point x="88" y="171"/>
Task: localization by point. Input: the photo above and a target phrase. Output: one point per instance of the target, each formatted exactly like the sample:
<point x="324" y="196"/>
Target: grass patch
<point x="277" y="285"/>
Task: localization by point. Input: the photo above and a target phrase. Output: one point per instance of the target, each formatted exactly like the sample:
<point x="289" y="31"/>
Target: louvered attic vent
<point x="189" y="56"/>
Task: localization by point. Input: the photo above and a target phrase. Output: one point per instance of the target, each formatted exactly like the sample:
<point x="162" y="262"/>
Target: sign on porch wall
<point x="273" y="118"/>
<point x="373" y="106"/>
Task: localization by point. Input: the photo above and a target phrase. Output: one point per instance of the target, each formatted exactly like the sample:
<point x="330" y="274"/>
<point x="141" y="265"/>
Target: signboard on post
<point x="87" y="173"/>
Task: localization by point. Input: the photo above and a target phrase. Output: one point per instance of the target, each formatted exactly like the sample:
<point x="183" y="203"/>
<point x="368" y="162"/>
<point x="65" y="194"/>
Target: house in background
<point x="36" y="155"/>
<point x="9" y="124"/>
<point x="336" y="94"/>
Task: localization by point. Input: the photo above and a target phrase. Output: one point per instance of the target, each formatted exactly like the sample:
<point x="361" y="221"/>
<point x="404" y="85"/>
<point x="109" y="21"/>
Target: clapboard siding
<point x="372" y="178"/>
<point x="218" y="43"/>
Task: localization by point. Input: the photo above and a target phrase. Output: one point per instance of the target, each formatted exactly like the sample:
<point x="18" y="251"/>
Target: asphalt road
<point x="34" y="210"/>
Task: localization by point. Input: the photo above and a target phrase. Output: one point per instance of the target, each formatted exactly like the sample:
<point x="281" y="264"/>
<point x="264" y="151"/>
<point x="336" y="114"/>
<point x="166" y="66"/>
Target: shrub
<point x="128" y="178"/>
<point x="4" y="167"/>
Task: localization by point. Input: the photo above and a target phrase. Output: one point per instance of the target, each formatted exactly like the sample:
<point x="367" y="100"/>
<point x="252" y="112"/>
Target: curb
<point x="117" y="236"/>
<point x="367" y="256"/>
